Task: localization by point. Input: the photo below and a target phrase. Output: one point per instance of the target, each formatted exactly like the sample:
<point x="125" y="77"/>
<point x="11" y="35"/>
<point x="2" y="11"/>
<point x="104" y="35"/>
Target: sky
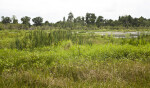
<point x="55" y="10"/>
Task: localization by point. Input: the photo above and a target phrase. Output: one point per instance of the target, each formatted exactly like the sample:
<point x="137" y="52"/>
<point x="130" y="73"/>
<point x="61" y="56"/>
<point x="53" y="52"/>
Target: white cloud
<point x="55" y="10"/>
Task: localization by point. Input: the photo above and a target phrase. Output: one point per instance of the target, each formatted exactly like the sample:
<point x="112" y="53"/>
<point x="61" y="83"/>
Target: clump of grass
<point x="67" y="44"/>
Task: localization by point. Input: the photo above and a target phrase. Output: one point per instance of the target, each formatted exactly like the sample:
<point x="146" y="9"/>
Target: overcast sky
<point x="55" y="10"/>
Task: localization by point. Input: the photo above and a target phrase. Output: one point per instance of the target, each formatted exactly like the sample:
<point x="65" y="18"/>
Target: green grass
<point x="97" y="62"/>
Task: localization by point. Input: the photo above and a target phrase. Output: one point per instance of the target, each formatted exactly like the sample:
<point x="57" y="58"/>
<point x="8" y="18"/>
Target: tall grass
<point x="77" y="66"/>
<point x="60" y="59"/>
<point x="140" y="40"/>
<point x="38" y="38"/>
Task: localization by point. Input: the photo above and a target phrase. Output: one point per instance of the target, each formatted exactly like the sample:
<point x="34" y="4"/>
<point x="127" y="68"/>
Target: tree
<point x="90" y="18"/>
<point x="6" y="20"/>
<point x="70" y="17"/>
<point x="87" y="18"/>
<point x="37" y="21"/>
<point x="135" y="22"/>
<point x="46" y="23"/>
<point x="15" y="21"/>
<point x="83" y="21"/>
<point x="64" y="19"/>
<point x="142" y="21"/>
<point x="108" y="22"/>
<point x="26" y="20"/>
<point x="93" y="18"/>
<point x="99" y="21"/>
<point x="126" y="21"/>
<point x="79" y="20"/>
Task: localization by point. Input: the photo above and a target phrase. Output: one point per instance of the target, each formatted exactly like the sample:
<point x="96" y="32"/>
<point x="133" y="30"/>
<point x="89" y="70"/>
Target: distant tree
<point x="142" y="21"/>
<point x="64" y="19"/>
<point x="2" y="18"/>
<point x="87" y="18"/>
<point x="90" y="18"/>
<point x="15" y="21"/>
<point x="115" y="23"/>
<point x="126" y="21"/>
<point x="83" y="21"/>
<point x="26" y="20"/>
<point x="37" y="21"/>
<point x="108" y="22"/>
<point x="70" y="17"/>
<point x="130" y="19"/>
<point x="46" y="23"/>
<point x="93" y="18"/>
<point x="6" y="20"/>
<point x="79" y="20"/>
<point x="75" y="20"/>
<point x="135" y="22"/>
<point x="99" y="21"/>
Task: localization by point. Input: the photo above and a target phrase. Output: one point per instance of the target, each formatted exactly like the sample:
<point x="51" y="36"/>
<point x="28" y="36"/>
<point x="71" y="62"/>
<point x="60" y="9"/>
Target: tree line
<point x="90" y="20"/>
<point x="25" y="20"/>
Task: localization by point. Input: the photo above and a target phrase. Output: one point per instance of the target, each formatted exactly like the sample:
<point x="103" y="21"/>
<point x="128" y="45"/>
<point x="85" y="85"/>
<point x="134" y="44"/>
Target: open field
<point x="73" y="59"/>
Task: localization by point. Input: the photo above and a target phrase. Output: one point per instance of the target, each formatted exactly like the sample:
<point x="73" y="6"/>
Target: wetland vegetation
<point x="75" y="53"/>
<point x="62" y="58"/>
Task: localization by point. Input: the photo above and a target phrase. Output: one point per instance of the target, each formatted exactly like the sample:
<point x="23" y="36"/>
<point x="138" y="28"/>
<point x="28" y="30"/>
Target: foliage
<point x="70" y="17"/>
<point x="26" y="20"/>
<point x="99" y="21"/>
<point x="37" y="21"/>
<point x="88" y="22"/>
<point x="6" y="20"/>
<point x="39" y="38"/>
<point x="90" y="18"/>
<point x="65" y="58"/>
<point x="15" y="21"/>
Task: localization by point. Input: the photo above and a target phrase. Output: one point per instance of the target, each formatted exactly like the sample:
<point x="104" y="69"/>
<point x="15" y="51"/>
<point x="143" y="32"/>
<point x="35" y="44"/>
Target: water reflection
<point x="123" y="34"/>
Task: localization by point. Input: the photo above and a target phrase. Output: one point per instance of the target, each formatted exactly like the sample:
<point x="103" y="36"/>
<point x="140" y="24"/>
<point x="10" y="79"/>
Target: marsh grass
<point x="60" y="59"/>
<point x="39" y="38"/>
